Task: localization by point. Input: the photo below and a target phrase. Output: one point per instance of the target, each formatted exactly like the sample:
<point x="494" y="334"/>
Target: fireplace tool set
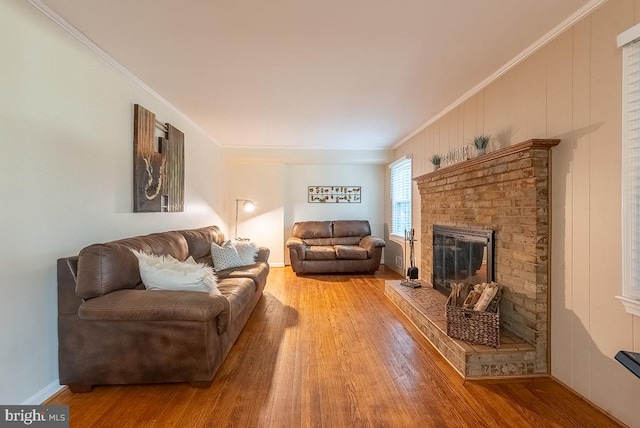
<point x="411" y="279"/>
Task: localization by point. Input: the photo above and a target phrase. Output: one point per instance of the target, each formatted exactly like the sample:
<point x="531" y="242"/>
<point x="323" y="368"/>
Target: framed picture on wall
<point x="334" y="194"/>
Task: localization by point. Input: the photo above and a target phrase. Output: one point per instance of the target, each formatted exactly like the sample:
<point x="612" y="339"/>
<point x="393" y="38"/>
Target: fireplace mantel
<point x="538" y="144"/>
<point x="507" y="191"/>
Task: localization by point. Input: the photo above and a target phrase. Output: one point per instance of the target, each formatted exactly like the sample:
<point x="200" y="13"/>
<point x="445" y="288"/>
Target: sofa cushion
<point x="350" y="252"/>
<point x="247" y="250"/>
<point x="318" y="241"/>
<point x="199" y="242"/>
<point x="320" y="252"/>
<point x="167" y="273"/>
<point x="349" y="240"/>
<point x="312" y="229"/>
<point x="238" y="291"/>
<point x="160" y="305"/>
<point x="225" y="256"/>
<point x="343" y="228"/>
<point x="257" y="272"/>
<point x="103" y="268"/>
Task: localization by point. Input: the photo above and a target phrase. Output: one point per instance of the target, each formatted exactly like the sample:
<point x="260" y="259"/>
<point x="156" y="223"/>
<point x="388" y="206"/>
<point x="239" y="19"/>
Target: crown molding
<point x="78" y="35"/>
<point x="537" y="45"/>
<point x="82" y="38"/>
<point x="303" y="156"/>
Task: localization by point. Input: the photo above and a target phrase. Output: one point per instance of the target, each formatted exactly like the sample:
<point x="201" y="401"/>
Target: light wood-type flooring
<point x="332" y="351"/>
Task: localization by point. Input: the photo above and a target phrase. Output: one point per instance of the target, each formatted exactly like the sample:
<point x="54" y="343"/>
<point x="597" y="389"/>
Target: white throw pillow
<point x="167" y="273"/>
<point x="225" y="256"/>
<point x="247" y="250"/>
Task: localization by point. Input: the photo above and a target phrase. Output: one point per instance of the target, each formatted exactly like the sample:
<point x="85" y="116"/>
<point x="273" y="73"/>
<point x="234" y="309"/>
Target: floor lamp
<point x="247" y="205"/>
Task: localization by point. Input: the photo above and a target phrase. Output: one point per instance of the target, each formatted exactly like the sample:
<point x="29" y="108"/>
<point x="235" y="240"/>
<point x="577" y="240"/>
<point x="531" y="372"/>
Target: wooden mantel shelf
<point x="533" y="144"/>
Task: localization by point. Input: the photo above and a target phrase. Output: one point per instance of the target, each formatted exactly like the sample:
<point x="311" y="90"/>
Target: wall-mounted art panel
<point x="158" y="164"/>
<point x="334" y="194"/>
<point x="175" y="170"/>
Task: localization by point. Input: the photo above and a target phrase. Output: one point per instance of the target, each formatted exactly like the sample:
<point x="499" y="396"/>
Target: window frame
<point x="401" y="169"/>
<point x="629" y="41"/>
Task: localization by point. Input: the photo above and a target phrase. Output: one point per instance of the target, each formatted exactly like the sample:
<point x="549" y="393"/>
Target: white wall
<point x="262" y="183"/>
<point x="66" y="175"/>
<point x="279" y="190"/>
<point x="370" y="177"/>
<point x="570" y="89"/>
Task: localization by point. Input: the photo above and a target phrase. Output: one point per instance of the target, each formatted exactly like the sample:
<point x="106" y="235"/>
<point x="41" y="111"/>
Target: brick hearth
<point x="425" y="308"/>
<point x="508" y="191"/>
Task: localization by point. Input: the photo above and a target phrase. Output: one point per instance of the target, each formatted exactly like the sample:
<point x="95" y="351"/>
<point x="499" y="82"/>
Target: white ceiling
<point x="332" y="74"/>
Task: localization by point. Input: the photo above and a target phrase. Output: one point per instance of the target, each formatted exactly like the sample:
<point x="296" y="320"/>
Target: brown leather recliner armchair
<point x="339" y="246"/>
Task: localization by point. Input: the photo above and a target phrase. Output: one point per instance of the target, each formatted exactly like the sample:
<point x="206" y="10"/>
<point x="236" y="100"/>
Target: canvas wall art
<point x="158" y="164"/>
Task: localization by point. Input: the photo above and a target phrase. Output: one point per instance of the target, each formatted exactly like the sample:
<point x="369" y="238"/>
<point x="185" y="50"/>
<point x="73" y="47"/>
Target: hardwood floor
<point x="332" y="351"/>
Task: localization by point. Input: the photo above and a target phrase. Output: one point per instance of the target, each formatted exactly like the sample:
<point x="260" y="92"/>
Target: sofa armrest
<point x="294" y="242"/>
<point x="370" y="243"/>
<point x="263" y="254"/>
<point x="297" y="245"/>
<point x="157" y="305"/>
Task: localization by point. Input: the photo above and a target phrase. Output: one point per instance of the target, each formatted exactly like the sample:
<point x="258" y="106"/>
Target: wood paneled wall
<point x="570" y="89"/>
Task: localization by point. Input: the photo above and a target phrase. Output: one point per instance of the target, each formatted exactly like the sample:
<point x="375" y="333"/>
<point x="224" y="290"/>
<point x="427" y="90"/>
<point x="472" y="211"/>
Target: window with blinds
<point x="400" y="196"/>
<point x="630" y="43"/>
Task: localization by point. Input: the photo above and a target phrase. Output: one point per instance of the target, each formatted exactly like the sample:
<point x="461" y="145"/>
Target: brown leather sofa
<point x="339" y="246"/>
<point x="113" y="331"/>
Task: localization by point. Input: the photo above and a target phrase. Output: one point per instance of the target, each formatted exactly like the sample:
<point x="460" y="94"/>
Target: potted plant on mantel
<point x="435" y="160"/>
<point x="481" y="142"/>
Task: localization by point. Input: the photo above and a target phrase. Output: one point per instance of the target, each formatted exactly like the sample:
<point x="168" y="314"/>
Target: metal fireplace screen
<point x="461" y="255"/>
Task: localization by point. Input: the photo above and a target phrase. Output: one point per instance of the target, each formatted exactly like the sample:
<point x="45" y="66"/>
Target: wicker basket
<point x="473" y="326"/>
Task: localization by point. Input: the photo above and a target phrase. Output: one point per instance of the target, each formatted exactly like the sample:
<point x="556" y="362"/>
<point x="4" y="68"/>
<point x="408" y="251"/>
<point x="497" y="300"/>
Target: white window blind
<point x="631" y="170"/>
<point x="400" y="196"/>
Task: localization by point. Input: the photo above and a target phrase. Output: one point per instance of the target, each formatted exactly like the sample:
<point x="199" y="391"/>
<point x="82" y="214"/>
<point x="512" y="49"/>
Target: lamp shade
<point x="248" y="206"/>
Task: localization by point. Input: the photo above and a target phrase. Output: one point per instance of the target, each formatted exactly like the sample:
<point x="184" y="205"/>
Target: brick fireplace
<point x="507" y="191"/>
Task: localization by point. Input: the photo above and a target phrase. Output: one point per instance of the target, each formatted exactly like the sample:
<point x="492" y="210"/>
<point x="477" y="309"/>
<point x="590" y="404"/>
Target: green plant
<point x="435" y="159"/>
<point x="481" y="141"/>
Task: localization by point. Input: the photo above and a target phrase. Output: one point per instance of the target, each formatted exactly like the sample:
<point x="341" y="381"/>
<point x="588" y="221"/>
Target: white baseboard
<point x="279" y="264"/>
<point x="44" y="394"/>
